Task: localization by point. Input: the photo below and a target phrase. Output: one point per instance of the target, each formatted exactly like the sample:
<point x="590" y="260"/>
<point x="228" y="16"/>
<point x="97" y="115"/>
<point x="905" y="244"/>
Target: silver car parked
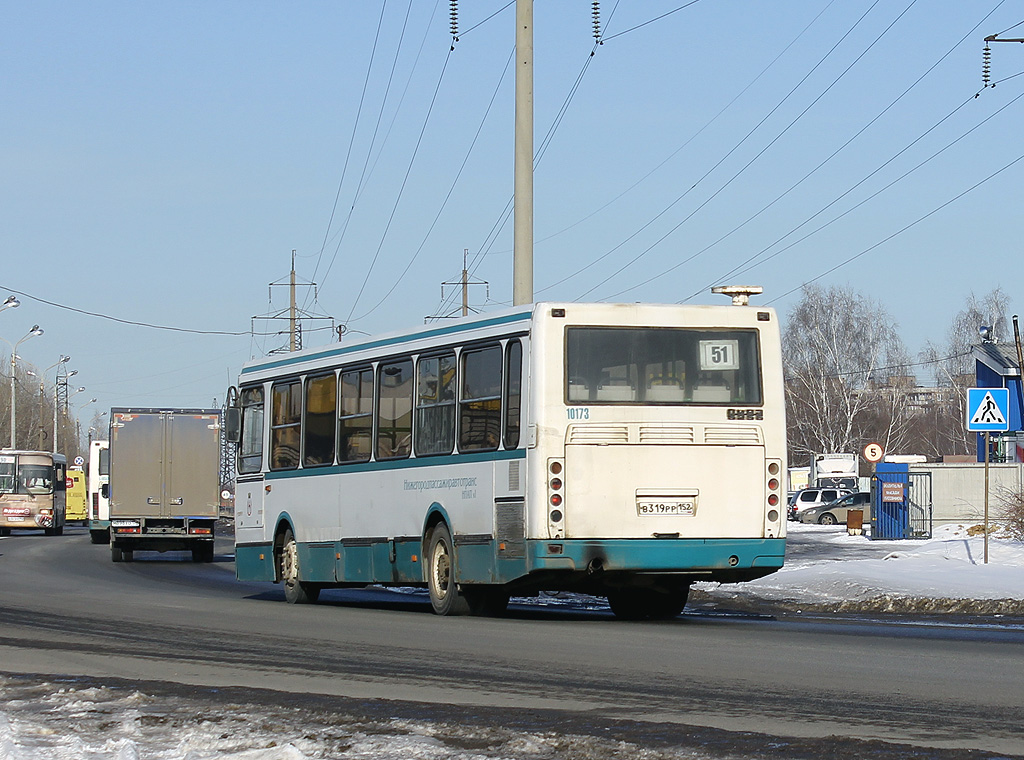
<point x="835" y="512"/>
<point x="812" y="497"/>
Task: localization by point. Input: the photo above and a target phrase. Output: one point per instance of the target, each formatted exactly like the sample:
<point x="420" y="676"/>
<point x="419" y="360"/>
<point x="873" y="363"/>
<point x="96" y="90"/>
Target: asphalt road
<point x="67" y="609"/>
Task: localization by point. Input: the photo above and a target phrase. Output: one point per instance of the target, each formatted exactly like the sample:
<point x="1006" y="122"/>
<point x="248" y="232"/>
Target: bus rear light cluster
<point x="774" y="497"/>
<point x="554" y="487"/>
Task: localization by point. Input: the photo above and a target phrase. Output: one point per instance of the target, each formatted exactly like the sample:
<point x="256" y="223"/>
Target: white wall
<point x="958" y="490"/>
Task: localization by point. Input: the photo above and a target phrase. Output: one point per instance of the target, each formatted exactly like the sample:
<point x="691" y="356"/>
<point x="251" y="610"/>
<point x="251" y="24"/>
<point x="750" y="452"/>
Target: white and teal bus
<point x="620" y="450"/>
<point x="98" y="491"/>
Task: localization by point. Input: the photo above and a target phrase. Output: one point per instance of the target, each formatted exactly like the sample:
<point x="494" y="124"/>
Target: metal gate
<point x="901" y="503"/>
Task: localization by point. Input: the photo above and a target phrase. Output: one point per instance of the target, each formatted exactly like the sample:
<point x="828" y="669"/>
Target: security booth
<point x="996" y="366"/>
<point x="901" y="502"/>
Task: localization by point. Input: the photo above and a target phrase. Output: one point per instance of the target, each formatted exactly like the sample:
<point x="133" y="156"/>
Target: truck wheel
<point x="58" y="531"/>
<point x="116" y="555"/>
<point x="202" y="553"/>
<point x="445" y="596"/>
<point x="295" y="590"/>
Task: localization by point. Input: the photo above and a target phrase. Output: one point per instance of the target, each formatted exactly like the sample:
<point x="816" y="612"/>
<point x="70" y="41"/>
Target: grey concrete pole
<point x="522" y="260"/>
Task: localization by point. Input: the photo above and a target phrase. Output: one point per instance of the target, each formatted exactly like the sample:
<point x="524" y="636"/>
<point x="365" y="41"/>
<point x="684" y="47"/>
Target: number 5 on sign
<point x="719" y="354"/>
<point x="873" y="452"/>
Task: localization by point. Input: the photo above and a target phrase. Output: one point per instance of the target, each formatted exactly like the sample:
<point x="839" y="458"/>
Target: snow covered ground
<point x="946" y="573"/>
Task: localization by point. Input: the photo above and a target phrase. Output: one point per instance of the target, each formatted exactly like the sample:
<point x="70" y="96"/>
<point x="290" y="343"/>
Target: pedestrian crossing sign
<point x="988" y="409"/>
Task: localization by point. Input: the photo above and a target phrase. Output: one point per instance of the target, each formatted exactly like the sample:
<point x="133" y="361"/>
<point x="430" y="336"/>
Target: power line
<point x="760" y="153"/>
<point x="499" y="223"/>
<point x="902" y="229"/>
<point x="739" y="269"/>
<point x="401" y="190"/>
<point x="352" y="138"/>
<point x="689" y="140"/>
<point x="119" y="320"/>
<point x="451" y="189"/>
<point x="877" y="192"/>
<point x="657" y="18"/>
<point x="509" y="4"/>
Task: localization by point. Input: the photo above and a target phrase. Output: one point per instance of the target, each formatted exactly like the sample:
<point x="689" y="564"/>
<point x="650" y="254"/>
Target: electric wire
<point x="360" y="183"/>
<point x="352" y="137"/>
<point x="880" y="190"/>
<point x="739" y="268"/>
<point x="502" y="219"/>
<point x="448" y="195"/>
<point x="658" y="18"/>
<point x="509" y="4"/>
<point x="401" y="191"/>
<point x="394" y="119"/>
<point x="756" y="156"/>
<point x="907" y="365"/>
<point x="674" y="153"/>
<point x="119" y="320"/>
<point x="903" y="229"/>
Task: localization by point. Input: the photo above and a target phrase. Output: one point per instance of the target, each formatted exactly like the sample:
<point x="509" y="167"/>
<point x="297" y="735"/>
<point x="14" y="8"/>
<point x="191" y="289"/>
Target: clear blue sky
<point x="160" y="161"/>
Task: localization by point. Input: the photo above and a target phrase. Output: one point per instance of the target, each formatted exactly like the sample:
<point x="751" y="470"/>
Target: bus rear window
<point x="662" y="365"/>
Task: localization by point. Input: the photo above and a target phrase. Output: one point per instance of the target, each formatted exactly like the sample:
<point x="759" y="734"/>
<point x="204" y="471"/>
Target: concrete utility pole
<point x="522" y="262"/>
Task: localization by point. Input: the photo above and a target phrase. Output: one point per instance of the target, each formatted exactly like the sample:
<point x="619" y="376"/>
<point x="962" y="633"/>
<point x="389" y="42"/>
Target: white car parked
<point x="812" y="497"/>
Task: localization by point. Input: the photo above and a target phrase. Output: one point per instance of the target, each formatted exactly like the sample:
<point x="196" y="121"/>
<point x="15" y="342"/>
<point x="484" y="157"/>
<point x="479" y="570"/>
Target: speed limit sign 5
<point x="873" y="452"/>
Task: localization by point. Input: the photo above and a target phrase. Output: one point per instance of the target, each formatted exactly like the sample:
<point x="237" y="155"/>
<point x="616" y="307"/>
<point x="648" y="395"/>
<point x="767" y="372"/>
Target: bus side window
<point x="513" y="392"/>
<point x="285" y="425"/>
<point x="435" y="405"/>
<point x="250" y="447"/>
<point x="480" y="403"/>
<point x="394" y="409"/>
<point x="318" y="427"/>
<point x="355" y="416"/>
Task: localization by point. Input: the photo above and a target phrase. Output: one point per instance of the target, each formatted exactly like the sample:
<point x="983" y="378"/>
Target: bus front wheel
<point x="445" y="596"/>
<point x="295" y="590"/>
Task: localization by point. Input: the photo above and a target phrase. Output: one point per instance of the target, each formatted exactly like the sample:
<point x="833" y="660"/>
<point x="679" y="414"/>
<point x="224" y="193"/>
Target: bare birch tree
<point x="846" y="373"/>
<point x="954" y="369"/>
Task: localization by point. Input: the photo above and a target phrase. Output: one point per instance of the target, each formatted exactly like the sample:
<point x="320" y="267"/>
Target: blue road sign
<point x="988" y="409"/>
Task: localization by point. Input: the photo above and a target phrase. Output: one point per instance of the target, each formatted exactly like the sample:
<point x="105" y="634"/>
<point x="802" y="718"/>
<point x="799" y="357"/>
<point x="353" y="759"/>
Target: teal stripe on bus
<point x="399" y="464"/>
<point x="342" y="350"/>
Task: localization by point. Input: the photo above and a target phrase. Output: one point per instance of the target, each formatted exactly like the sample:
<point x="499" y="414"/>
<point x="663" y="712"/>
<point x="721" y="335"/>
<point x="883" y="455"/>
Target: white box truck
<point x="164" y="481"/>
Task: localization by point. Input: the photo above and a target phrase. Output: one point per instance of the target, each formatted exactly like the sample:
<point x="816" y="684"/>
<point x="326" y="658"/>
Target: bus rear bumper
<point x="723" y="560"/>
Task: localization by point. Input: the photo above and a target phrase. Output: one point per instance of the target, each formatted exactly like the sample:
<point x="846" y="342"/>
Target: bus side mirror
<point x="105" y="490"/>
<point x="233" y="424"/>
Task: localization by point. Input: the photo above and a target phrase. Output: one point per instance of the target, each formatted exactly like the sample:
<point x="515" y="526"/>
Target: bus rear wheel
<point x="100" y="536"/>
<point x="445" y="596"/>
<point x="295" y="590"/>
<point x="648" y="603"/>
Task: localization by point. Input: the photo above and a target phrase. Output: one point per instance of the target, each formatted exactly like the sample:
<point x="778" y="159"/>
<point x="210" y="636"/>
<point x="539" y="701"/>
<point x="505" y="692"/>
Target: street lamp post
<point x="36" y="330"/>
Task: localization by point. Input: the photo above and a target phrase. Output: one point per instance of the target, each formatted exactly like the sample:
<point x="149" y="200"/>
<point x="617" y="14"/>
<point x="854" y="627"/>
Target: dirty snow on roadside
<point x="949" y="566"/>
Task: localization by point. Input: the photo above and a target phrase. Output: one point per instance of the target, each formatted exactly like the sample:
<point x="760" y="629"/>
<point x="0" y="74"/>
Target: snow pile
<point x="946" y="573"/>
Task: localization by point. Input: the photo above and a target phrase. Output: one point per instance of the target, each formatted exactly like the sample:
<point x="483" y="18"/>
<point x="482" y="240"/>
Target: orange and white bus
<point x="32" y="491"/>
